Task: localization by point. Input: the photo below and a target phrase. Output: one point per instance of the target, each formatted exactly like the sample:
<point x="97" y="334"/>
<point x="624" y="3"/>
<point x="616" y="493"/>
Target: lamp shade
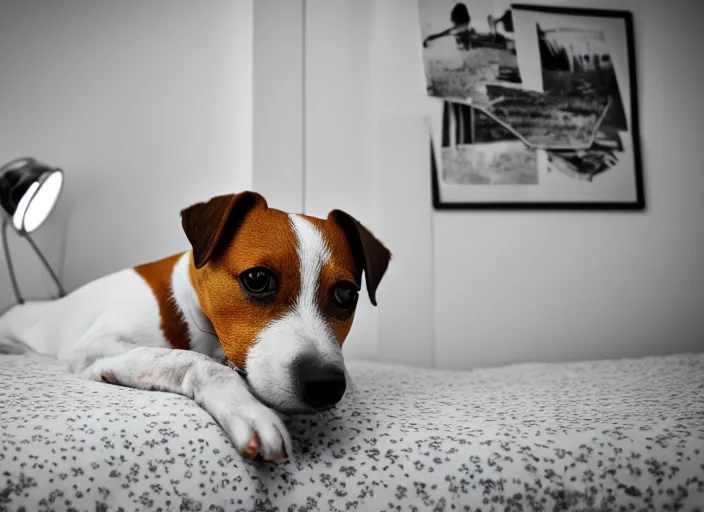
<point x="29" y="190"/>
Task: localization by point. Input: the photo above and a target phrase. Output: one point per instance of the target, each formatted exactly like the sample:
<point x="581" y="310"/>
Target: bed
<point x="611" y="435"/>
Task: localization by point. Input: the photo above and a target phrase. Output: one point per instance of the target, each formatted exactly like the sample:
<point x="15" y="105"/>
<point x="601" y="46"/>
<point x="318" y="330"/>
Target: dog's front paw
<point x="253" y="428"/>
<point x="257" y="430"/>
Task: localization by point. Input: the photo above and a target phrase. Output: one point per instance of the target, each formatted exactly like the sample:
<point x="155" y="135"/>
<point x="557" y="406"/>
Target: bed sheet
<point x="608" y="435"/>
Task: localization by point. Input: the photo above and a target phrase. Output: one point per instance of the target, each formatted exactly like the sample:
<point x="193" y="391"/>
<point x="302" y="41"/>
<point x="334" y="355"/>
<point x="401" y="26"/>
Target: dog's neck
<point x="202" y="337"/>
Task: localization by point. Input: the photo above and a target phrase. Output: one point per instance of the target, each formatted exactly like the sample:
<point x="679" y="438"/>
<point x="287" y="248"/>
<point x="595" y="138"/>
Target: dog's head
<point x="281" y="291"/>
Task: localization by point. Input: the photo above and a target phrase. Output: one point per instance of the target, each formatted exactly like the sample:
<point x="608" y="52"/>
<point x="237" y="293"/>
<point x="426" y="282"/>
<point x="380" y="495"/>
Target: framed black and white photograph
<point x="564" y="136"/>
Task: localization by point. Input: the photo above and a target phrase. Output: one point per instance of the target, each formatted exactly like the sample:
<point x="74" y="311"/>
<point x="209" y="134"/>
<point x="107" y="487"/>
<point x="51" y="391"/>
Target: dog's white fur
<point x="109" y="329"/>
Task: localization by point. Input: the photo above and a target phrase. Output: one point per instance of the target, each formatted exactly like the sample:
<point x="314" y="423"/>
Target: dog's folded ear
<point x="369" y="253"/>
<point x="211" y="226"/>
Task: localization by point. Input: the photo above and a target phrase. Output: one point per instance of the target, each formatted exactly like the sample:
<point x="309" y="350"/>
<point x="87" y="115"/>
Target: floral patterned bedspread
<point x="611" y="435"/>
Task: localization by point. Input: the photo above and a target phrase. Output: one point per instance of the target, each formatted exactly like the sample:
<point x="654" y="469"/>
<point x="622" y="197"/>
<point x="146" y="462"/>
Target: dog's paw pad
<point x="252" y="449"/>
<point x="108" y="376"/>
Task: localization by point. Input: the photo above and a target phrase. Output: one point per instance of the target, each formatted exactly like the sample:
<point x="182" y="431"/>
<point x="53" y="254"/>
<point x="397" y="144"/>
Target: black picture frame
<point x="637" y="205"/>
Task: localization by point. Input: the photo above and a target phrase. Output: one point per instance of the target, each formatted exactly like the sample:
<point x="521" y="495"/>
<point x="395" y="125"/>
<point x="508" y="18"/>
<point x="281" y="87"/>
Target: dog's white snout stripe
<point x="314" y="254"/>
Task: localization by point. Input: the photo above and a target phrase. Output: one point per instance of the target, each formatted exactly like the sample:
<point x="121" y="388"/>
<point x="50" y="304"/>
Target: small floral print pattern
<point x="591" y="436"/>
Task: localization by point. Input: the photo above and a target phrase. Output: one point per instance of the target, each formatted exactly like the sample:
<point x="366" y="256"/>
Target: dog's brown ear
<point x="369" y="253"/>
<point x="211" y="225"/>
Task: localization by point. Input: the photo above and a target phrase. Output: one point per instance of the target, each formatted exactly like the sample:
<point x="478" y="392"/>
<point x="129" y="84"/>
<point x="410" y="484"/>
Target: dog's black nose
<point x="321" y="385"/>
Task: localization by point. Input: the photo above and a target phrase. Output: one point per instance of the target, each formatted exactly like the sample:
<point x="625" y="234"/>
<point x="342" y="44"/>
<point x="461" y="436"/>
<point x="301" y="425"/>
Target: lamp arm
<point x="8" y="259"/>
<point x="46" y="265"/>
<point x="11" y="268"/>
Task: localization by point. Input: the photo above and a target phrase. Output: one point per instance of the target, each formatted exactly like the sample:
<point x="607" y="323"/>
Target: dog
<point x="249" y="322"/>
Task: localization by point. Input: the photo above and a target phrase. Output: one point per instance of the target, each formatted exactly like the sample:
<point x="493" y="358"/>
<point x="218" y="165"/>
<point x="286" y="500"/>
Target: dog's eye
<point x="345" y="295"/>
<point x="259" y="282"/>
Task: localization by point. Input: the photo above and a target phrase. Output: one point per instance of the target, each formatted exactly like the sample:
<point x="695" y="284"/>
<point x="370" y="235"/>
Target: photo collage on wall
<point x="536" y="106"/>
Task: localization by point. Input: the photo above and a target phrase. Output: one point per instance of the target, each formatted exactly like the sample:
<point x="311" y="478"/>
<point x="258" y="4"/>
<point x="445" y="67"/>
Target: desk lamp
<point x="29" y="190"/>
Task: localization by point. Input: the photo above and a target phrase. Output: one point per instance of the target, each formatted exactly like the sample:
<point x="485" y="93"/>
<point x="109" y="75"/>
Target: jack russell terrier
<point x="249" y="323"/>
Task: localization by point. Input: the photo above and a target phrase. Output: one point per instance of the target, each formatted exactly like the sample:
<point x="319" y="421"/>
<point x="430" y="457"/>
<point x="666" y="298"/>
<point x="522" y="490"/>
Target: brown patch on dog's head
<point x="231" y="235"/>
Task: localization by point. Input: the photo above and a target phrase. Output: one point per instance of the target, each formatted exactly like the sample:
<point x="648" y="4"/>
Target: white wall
<point x="486" y="288"/>
<point x="146" y="105"/>
<point x="278" y="103"/>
